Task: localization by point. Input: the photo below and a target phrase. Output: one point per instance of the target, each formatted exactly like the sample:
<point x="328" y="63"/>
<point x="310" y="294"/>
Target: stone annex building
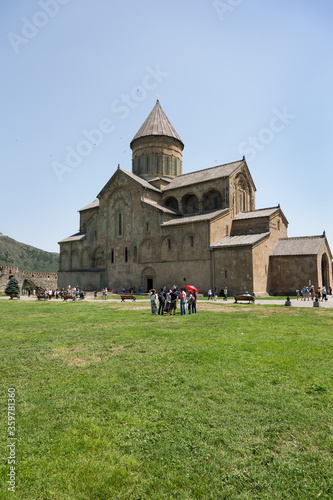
<point x="156" y="226"/>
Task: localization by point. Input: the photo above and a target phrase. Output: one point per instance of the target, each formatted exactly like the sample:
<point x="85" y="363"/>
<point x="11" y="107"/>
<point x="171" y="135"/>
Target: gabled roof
<point x="206" y="174"/>
<point x="74" y="237"/>
<point x="132" y="176"/>
<point x="157" y="123"/>
<point x="166" y="179"/>
<point x="241" y="240"/>
<point x="261" y="212"/>
<point x="160" y="207"/>
<point x="306" y="245"/>
<point x="195" y="218"/>
<point x="94" y="204"/>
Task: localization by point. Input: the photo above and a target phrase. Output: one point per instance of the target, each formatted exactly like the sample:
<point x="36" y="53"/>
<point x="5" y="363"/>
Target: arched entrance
<point x="324" y="271"/>
<point x="148" y="277"/>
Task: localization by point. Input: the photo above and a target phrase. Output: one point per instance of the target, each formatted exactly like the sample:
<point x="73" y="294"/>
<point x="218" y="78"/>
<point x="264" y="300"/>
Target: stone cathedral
<point x="154" y="226"/>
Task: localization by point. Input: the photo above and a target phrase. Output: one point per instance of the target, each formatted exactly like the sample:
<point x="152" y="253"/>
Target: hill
<point x="26" y="257"/>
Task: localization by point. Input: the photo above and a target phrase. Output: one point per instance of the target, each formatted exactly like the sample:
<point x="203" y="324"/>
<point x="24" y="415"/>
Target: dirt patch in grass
<point x="79" y="356"/>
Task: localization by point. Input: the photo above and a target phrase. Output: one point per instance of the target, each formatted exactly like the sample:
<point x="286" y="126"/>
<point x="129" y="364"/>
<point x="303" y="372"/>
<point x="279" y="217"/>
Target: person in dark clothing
<point x="161" y="302"/>
<point x="174" y="298"/>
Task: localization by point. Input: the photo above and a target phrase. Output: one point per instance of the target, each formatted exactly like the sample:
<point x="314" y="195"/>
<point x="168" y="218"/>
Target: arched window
<point x="190" y="204"/>
<point x="120" y="225"/>
<point x="212" y="200"/>
<point x="171" y="202"/>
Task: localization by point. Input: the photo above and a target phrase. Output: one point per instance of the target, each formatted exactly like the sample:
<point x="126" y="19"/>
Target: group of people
<point x="76" y="293"/>
<point x="309" y="292"/>
<point x="165" y="302"/>
<point x="223" y="293"/>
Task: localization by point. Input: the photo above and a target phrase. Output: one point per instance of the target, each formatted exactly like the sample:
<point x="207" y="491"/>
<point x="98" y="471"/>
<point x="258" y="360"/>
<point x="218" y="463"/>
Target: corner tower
<point x="157" y="148"/>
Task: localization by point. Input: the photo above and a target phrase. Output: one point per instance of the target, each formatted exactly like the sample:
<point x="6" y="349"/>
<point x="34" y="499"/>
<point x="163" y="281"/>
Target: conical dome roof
<point x="157" y="123"/>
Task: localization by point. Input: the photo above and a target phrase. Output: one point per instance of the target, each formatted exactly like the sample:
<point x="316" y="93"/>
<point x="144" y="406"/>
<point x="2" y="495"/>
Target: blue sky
<point x="234" y="77"/>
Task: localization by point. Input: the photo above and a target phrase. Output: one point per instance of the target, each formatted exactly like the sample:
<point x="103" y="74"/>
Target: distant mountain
<point x="26" y="257"/>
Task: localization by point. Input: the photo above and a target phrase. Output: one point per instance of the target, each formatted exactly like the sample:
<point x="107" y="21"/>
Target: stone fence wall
<point x="26" y="278"/>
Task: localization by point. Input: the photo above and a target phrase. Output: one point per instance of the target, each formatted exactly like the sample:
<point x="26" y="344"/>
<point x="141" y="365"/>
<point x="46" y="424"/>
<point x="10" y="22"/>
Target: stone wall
<point x="289" y="272"/>
<point x="233" y="268"/>
<point x="26" y="278"/>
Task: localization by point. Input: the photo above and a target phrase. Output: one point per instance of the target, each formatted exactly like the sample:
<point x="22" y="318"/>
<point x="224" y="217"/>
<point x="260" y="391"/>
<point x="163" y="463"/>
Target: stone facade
<point x="307" y="262"/>
<point x="155" y="226"/>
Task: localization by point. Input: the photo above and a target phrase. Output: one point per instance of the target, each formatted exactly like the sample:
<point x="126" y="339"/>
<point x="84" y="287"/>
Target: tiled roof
<point x="140" y="180"/>
<point x="261" y="212"/>
<point x="136" y="178"/>
<point x="195" y="218"/>
<point x="160" y="207"/>
<point x="157" y="123"/>
<point x="94" y="204"/>
<point x="307" y="245"/>
<point x="166" y="179"/>
<point x="74" y="237"/>
<point x="241" y="240"/>
<point x="207" y="174"/>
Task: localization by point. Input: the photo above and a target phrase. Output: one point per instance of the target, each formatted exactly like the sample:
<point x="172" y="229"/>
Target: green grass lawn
<point x="114" y="403"/>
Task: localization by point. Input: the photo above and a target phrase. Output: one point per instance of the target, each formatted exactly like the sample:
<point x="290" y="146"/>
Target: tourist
<point x="167" y="302"/>
<point x="210" y="294"/>
<point x="161" y="302"/>
<point x="312" y="292"/>
<point x="174" y="298"/>
<point x="183" y="302"/>
<point x="105" y="293"/>
<point x="153" y="301"/>
<point x="297" y="294"/>
<point x="323" y="294"/>
<point x="194" y="301"/>
<point x="225" y="293"/>
<point x="190" y="302"/>
<point x="305" y="293"/>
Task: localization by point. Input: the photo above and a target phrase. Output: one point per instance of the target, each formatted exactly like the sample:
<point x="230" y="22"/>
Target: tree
<point x="13" y="287"/>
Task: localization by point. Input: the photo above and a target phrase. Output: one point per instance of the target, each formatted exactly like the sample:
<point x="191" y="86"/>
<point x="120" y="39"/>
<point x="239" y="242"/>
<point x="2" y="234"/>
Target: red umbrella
<point x="191" y="288"/>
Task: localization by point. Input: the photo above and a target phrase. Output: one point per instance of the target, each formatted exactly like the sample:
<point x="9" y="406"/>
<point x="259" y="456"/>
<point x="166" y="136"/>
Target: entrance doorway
<point x="324" y="271"/>
<point x="150" y="284"/>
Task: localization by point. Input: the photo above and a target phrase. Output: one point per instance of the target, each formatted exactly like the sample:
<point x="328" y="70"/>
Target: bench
<point x="127" y="297"/>
<point x="249" y="298"/>
<point x="68" y="296"/>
